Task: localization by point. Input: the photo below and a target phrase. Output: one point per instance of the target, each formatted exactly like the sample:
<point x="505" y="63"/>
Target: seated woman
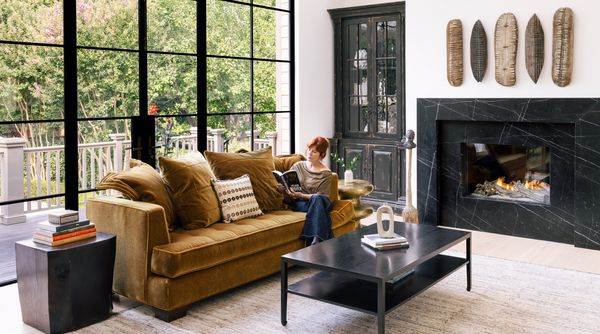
<point x="315" y="179"/>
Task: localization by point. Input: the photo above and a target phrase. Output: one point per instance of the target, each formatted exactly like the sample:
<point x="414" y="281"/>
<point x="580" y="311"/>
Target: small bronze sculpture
<point x="410" y="213"/>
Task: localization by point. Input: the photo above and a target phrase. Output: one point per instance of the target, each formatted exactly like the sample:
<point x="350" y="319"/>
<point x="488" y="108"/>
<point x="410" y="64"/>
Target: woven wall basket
<point x="454" y="52"/>
<point x="562" y="46"/>
<point x="478" y="51"/>
<point x="534" y="48"/>
<point x="505" y="49"/>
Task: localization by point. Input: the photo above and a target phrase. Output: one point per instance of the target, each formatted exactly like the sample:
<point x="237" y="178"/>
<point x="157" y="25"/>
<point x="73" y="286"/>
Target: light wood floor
<point x="545" y="253"/>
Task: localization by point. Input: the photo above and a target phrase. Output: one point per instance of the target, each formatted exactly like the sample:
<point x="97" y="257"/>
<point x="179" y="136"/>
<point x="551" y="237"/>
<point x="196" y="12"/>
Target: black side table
<point x="66" y="287"/>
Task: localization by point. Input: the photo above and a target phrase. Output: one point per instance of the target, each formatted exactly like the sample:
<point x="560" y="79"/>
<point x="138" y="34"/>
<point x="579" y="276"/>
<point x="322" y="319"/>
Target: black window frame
<point x="252" y="59"/>
<point x="143" y="141"/>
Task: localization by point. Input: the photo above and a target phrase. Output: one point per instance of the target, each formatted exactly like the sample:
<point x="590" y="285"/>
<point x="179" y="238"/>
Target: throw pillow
<point x="141" y="183"/>
<point x="188" y="180"/>
<point x="284" y="162"/>
<point x="236" y="199"/>
<point x="259" y="167"/>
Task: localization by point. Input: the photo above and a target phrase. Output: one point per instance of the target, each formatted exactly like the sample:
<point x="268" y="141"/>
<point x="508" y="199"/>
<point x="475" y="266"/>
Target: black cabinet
<point x="370" y="97"/>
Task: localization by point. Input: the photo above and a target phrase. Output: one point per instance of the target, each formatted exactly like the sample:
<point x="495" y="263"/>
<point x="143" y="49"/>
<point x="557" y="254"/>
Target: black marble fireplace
<point x="522" y="167"/>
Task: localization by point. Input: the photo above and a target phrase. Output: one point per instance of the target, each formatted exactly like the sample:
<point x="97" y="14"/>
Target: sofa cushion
<point x="141" y="183"/>
<point x="258" y="165"/>
<point x="236" y="199"/>
<point x="189" y="182"/>
<point x="284" y="162"/>
<point x="193" y="250"/>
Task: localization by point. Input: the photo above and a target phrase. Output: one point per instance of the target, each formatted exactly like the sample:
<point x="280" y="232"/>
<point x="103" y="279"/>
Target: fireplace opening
<point x="507" y="172"/>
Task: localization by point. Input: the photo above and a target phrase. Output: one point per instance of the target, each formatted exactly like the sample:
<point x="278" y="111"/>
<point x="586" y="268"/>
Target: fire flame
<point x="533" y="185"/>
<point x="500" y="182"/>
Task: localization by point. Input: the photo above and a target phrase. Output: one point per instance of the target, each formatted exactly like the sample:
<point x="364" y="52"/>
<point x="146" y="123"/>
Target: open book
<point x="289" y="179"/>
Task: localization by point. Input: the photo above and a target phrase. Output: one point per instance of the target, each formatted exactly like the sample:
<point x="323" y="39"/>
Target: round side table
<point x="353" y="191"/>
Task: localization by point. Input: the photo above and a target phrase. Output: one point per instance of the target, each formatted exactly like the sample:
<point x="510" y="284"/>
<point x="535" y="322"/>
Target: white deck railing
<point x="43" y="174"/>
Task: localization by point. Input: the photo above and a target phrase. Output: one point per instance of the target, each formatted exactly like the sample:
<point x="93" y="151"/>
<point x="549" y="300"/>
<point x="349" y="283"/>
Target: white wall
<point x="426" y="22"/>
<point x="314" y="71"/>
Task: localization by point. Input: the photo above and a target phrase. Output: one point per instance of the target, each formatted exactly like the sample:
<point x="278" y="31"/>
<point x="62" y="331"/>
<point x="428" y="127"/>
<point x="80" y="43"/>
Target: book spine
<point x="60" y="228"/>
<point x="64" y="236"/>
<point x="48" y="233"/>
<point x="65" y="241"/>
<point x="63" y="220"/>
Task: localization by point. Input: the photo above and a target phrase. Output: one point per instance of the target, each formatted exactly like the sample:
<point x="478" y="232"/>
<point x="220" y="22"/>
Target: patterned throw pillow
<point x="236" y="198"/>
<point x="258" y="165"/>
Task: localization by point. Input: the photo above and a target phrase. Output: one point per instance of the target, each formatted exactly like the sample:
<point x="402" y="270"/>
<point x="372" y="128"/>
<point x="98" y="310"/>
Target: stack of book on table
<point x="63" y="227"/>
<point x="379" y="243"/>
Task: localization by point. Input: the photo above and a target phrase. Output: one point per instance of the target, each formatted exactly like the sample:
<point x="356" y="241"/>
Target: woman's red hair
<point x="320" y="145"/>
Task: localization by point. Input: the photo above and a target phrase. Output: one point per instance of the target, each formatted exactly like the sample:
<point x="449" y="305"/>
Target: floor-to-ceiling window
<point x="108" y="96"/>
<point x="87" y="84"/>
<point x="31" y="116"/>
<point x="173" y="74"/>
<point x="249" y="73"/>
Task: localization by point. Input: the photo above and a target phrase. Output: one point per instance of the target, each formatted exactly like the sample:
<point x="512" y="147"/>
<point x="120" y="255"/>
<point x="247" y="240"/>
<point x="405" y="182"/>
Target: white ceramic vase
<point x="348" y="176"/>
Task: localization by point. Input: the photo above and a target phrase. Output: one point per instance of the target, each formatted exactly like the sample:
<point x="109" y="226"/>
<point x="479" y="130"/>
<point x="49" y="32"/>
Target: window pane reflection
<point x="172" y="26"/>
<point x="228" y="85"/>
<point x="172" y="84"/>
<point x="227" y="29"/>
<point x="108" y="23"/>
<point x="107" y="85"/>
<point x="228" y="133"/>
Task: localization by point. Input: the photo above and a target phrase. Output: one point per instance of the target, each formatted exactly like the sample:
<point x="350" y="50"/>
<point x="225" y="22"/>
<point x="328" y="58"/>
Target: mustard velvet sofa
<point x="171" y="270"/>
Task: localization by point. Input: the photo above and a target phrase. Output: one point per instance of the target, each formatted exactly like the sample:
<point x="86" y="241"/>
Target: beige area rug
<point x="507" y="297"/>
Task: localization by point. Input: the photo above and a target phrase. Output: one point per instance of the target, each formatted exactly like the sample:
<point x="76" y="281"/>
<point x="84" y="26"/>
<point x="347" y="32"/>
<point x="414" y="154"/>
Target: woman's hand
<point x="280" y="188"/>
<point x="297" y="195"/>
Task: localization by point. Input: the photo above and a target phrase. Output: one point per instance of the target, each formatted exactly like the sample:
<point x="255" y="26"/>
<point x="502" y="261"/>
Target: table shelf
<point x="361" y="295"/>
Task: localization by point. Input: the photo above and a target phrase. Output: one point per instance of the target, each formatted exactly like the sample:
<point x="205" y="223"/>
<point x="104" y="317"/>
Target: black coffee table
<point x="355" y="276"/>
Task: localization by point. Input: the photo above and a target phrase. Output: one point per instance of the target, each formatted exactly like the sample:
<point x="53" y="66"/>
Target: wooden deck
<point x="9" y="234"/>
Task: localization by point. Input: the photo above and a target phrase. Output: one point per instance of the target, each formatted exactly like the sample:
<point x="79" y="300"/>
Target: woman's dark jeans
<point x="318" y="220"/>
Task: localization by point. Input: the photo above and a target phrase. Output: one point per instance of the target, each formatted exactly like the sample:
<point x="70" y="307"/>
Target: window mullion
<point x="70" y="104"/>
<point x="251" y="76"/>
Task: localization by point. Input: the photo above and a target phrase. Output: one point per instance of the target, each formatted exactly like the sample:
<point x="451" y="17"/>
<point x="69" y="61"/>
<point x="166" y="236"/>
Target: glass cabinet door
<point x="385" y="68"/>
<point x="357" y="73"/>
<point x="371" y="80"/>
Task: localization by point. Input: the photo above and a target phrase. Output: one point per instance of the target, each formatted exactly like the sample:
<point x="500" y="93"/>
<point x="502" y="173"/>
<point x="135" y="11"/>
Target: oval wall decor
<point x="534" y="48"/>
<point x="562" y="46"/>
<point x="454" y="52"/>
<point x="505" y="49"/>
<point x="478" y="51"/>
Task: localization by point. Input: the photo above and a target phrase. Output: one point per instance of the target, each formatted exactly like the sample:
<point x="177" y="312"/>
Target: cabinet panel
<point x="382" y="171"/>
<point x="379" y="164"/>
<point x="351" y="150"/>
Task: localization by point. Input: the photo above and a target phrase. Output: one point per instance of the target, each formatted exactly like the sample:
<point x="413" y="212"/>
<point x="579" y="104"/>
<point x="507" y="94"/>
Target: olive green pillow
<point x="141" y="183"/>
<point x="259" y="167"/>
<point x="284" y="162"/>
<point x="189" y="182"/>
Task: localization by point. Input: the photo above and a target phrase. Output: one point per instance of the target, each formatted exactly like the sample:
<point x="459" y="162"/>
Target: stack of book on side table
<point x="379" y="243"/>
<point x="63" y="227"/>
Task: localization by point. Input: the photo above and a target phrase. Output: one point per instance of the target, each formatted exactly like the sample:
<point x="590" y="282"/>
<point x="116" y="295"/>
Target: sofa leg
<point x="169" y="316"/>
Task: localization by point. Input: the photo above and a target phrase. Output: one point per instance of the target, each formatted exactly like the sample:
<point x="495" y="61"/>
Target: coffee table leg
<point x="284" y="286"/>
<point x="381" y="307"/>
<point x="469" y="264"/>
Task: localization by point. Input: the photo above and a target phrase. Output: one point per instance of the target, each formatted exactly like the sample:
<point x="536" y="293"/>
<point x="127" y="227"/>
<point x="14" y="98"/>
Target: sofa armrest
<point x="139" y="226"/>
<point x="333" y="192"/>
<point x="342" y="212"/>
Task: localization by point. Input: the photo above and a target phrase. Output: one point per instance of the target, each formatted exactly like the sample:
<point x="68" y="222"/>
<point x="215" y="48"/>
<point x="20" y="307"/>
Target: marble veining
<point x="570" y="127"/>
